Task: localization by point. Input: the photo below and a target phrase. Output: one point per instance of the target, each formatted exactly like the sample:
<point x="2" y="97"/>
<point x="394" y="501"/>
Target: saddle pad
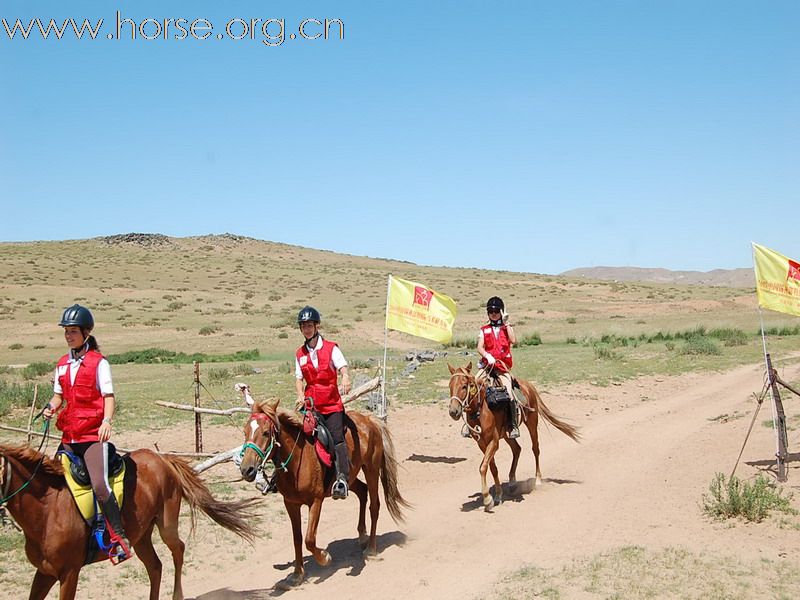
<point x="83" y="494"/>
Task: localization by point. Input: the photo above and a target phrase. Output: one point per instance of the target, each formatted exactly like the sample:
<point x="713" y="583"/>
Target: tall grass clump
<point x="159" y="355"/>
<point x="736" y="498"/>
<point x="14" y="395"/>
<point x="469" y="342"/>
<point x="700" y="345"/>
<point x="37" y="369"/>
<point x="729" y="336"/>
<point x="533" y="339"/>
<point x="605" y="353"/>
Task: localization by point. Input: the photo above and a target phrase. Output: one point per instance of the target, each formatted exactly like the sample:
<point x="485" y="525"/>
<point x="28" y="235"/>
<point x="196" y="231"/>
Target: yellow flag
<point x="415" y="309"/>
<point x="777" y="280"/>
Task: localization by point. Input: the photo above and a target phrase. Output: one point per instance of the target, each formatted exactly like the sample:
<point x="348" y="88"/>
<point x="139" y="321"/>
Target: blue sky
<point x="529" y="136"/>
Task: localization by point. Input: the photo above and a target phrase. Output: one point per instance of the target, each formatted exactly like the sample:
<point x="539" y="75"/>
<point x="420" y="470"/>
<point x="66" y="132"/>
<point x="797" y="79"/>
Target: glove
<point x="505" y="318"/>
<point x="490" y="360"/>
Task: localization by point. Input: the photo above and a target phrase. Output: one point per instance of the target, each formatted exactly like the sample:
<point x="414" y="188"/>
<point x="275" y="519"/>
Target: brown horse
<point x="276" y="434"/>
<point x="57" y="537"/>
<point x="488" y="427"/>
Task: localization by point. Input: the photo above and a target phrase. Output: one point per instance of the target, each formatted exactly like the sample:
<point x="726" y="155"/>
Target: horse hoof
<point x="370" y="553"/>
<point x="292" y="581"/>
<point x="488" y="503"/>
<point x="324" y="558"/>
<point x="537" y="482"/>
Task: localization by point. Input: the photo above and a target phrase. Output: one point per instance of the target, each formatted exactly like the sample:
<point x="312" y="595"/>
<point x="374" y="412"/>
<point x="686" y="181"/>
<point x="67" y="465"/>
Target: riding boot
<point x="339" y="489"/>
<point x="120" y="546"/>
<point x="513" y="431"/>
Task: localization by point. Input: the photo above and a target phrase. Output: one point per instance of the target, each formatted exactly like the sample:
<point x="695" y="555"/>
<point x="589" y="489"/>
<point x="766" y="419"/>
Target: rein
<point x="5" y="469"/>
<point x="267" y="454"/>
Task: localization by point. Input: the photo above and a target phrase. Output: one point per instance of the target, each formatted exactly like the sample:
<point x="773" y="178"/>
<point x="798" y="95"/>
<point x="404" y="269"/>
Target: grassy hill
<point x="224" y="294"/>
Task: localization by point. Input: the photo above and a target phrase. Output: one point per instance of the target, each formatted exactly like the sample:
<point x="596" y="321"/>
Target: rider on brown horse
<point x="494" y="346"/>
<point x="318" y="363"/>
<point x="83" y="380"/>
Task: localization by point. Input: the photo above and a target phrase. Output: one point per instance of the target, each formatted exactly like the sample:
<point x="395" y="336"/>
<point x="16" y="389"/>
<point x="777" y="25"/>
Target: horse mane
<point x="29" y="456"/>
<point x="278" y="414"/>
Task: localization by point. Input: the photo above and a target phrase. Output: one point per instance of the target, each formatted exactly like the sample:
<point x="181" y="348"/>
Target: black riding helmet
<point x="77" y="315"/>
<point x="495" y="303"/>
<point x="308" y="313"/>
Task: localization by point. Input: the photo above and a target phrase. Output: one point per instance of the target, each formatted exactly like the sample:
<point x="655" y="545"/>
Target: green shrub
<point x="14" y="395"/>
<point x="736" y="498"/>
<point x="209" y="330"/>
<point x="15" y="347"/>
<point x="243" y="369"/>
<point x="729" y="336"/>
<point x="572" y="340"/>
<point x="159" y="355"/>
<point x="605" y="353"/>
<point x="218" y="375"/>
<point x="533" y="339"/>
<point x="37" y="369"/>
<point x="470" y="342"/>
<point x="700" y="345"/>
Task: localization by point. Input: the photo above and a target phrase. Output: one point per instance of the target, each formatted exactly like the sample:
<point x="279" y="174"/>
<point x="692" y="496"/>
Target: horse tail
<point x="538" y="404"/>
<point x="233" y="516"/>
<point x="394" y="500"/>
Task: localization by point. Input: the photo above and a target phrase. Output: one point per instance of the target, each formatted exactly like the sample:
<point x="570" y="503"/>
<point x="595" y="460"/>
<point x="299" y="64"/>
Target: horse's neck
<point x="28" y="503"/>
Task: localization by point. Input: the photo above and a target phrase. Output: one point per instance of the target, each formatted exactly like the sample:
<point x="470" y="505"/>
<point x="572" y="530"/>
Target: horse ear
<point x="272" y="403"/>
<point x="469" y="367"/>
<point x="452" y="370"/>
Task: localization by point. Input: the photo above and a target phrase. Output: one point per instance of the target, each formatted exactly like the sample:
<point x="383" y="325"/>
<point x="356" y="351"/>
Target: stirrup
<point x="339" y="489"/>
<point x="119" y="550"/>
<point x="513" y="433"/>
<point x="465" y="433"/>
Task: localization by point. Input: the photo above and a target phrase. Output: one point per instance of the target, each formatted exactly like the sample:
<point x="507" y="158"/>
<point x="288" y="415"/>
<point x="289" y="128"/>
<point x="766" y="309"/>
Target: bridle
<point x="466" y="403"/>
<point x="270" y="452"/>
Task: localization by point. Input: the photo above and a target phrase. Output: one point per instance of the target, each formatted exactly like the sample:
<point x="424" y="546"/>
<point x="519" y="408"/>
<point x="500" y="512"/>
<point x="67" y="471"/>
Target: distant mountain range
<point x="737" y="278"/>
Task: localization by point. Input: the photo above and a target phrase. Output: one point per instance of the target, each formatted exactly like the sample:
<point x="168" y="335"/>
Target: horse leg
<point x="360" y="489"/>
<point x="168" y="530"/>
<point x="498" y="487"/>
<point x="488" y="459"/>
<point x="322" y="557"/>
<point x="69" y="585"/>
<point x="374" y="510"/>
<point x="516" y="449"/>
<point x="147" y="554"/>
<point x="299" y="574"/>
<point x="533" y="429"/>
<point x="41" y="585"/>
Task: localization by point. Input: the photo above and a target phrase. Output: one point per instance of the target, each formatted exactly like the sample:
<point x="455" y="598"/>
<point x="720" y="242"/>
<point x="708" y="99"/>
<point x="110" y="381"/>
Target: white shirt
<point x="337" y="358"/>
<point x="103" y="375"/>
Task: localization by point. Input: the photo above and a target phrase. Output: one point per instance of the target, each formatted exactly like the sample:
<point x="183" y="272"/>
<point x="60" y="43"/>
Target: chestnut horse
<point x="275" y="434"/>
<point x="57" y="538"/>
<point x="488" y="427"/>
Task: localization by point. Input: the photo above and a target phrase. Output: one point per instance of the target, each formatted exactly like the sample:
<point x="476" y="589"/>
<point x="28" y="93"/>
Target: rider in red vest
<point x="494" y="345"/>
<point x="83" y="381"/>
<point x="318" y="363"/>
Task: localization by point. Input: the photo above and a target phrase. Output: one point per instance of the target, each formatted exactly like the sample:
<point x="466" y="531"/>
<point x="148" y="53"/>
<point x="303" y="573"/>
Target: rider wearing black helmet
<point x="83" y="380"/>
<point x="494" y="345"/>
<point x="318" y="362"/>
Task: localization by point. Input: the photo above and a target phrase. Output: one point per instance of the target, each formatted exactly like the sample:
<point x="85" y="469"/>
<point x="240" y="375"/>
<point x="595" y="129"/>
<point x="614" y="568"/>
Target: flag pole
<point x="383" y="414"/>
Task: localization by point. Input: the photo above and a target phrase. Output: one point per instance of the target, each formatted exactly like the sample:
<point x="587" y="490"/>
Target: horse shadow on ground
<point x="513" y="493"/>
<point x="424" y="458"/>
<point x="346" y="554"/>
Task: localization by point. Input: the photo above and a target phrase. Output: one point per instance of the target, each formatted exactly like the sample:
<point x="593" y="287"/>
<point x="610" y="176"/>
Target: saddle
<point x="80" y="486"/>
<point x="314" y="429"/>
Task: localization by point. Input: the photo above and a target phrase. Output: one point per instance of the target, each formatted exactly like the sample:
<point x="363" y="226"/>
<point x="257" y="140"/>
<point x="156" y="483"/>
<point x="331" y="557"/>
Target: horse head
<point x="260" y="435"/>
<point x="464" y="391"/>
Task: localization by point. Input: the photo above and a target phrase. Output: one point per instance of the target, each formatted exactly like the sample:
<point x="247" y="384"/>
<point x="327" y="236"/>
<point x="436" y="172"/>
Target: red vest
<point x="321" y="383"/>
<point x="83" y="415"/>
<point x="499" y="347"/>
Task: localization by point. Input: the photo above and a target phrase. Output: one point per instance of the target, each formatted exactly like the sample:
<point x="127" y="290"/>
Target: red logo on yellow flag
<point x="423" y="296"/>
<point x="420" y="311"/>
<point x="777" y="280"/>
